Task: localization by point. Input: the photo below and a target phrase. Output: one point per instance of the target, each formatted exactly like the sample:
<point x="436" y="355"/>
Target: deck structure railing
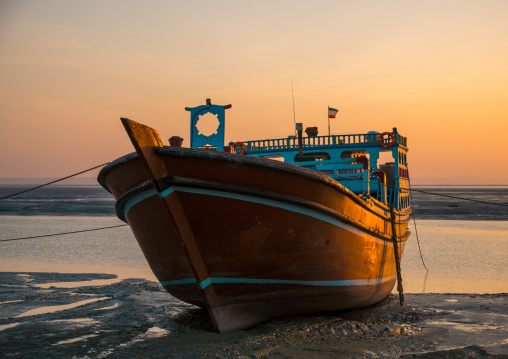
<point x="317" y="141"/>
<point x="348" y="171"/>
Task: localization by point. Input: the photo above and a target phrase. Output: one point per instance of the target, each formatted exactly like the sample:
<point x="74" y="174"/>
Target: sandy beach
<point x="47" y="315"/>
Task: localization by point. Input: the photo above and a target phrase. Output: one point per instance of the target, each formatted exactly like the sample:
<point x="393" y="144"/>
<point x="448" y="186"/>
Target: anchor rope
<point x="61" y="234"/>
<point x="55" y="181"/>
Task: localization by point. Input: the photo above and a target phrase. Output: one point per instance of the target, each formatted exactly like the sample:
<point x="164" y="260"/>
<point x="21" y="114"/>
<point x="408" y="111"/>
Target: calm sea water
<point x="466" y="249"/>
<point x="57" y="201"/>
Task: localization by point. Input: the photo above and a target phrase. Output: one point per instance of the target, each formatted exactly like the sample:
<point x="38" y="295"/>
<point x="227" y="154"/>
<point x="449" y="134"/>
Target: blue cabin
<point x="352" y="160"/>
<point x="360" y="162"/>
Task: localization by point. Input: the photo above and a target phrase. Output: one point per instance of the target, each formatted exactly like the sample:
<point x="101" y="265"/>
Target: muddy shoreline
<point x="47" y="315"/>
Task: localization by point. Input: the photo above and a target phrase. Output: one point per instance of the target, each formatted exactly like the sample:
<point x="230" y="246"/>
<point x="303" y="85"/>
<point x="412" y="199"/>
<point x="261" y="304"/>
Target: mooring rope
<point x="55" y="181"/>
<point x="432" y="193"/>
<point x="122" y="225"/>
<point x="61" y="234"/>
<point x="345" y="177"/>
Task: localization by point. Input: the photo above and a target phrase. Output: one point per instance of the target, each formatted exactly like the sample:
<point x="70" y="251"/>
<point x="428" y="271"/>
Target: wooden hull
<point x="273" y="239"/>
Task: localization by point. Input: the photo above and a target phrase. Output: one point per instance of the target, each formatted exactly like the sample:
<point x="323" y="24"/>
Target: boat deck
<point x="340" y="157"/>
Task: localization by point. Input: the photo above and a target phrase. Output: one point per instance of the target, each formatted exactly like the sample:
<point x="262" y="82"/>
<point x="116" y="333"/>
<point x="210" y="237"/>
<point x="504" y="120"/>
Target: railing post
<point x="366" y="182"/>
<point x="366" y="174"/>
<point x="396" y="135"/>
<point x="299" y="129"/>
<point x="381" y="186"/>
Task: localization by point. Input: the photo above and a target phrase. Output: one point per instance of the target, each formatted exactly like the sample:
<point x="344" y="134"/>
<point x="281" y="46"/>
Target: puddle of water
<point x="28" y="277"/>
<point x="86" y="321"/>
<point x="83" y="294"/>
<point x="79" y="339"/>
<point x="107" y="308"/>
<point x="58" y="308"/>
<point x="7" y="326"/>
<point x="87" y="283"/>
<point x="10" y="301"/>
<point x="153" y="332"/>
<point x="468" y="327"/>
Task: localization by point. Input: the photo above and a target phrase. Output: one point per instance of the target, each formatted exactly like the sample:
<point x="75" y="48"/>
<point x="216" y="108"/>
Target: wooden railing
<point x="401" y="140"/>
<point x="317" y="141"/>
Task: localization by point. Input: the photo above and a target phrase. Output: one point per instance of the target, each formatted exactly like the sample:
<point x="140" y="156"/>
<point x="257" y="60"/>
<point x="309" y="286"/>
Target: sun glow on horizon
<point x="436" y="71"/>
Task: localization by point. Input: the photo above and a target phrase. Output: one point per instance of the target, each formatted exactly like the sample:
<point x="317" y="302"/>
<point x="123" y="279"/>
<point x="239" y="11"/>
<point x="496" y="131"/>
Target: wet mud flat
<point x="48" y="315"/>
<point x="428" y="206"/>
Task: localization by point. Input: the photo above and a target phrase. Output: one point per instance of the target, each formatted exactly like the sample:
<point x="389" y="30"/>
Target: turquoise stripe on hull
<point x="241" y="197"/>
<point x="142" y="196"/>
<point x="136" y="199"/>
<point x="179" y="281"/>
<point x="326" y="283"/>
<point x="167" y="192"/>
<point x="273" y="203"/>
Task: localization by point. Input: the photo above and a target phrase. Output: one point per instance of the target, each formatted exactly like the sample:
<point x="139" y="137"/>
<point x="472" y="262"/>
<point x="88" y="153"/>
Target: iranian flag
<point x="332" y="112"/>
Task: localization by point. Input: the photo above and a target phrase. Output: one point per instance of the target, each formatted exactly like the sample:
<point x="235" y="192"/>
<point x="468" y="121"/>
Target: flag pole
<point x="328" y="120"/>
<point x="294" y="113"/>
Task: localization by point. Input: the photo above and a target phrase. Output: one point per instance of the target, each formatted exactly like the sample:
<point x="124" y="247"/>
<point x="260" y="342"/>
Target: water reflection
<point x="58" y="308"/>
<point x="78" y="339"/>
<point x="425" y="281"/>
<point x="462" y="256"/>
<point x="85" y="283"/>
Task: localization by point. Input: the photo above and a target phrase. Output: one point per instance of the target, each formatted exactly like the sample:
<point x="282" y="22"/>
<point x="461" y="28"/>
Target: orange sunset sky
<point x="437" y="70"/>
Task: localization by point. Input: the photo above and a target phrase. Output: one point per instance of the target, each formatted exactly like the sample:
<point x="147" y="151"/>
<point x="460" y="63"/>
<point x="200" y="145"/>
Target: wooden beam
<point x="145" y="140"/>
<point x="396" y="253"/>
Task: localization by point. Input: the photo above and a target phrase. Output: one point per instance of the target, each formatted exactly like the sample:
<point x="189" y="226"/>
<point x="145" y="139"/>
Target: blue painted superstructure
<point x="334" y="155"/>
<point x="215" y="139"/>
<point x="337" y="156"/>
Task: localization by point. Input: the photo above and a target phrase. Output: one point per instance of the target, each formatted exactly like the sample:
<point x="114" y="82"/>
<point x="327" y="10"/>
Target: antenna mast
<point x="294" y="114"/>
